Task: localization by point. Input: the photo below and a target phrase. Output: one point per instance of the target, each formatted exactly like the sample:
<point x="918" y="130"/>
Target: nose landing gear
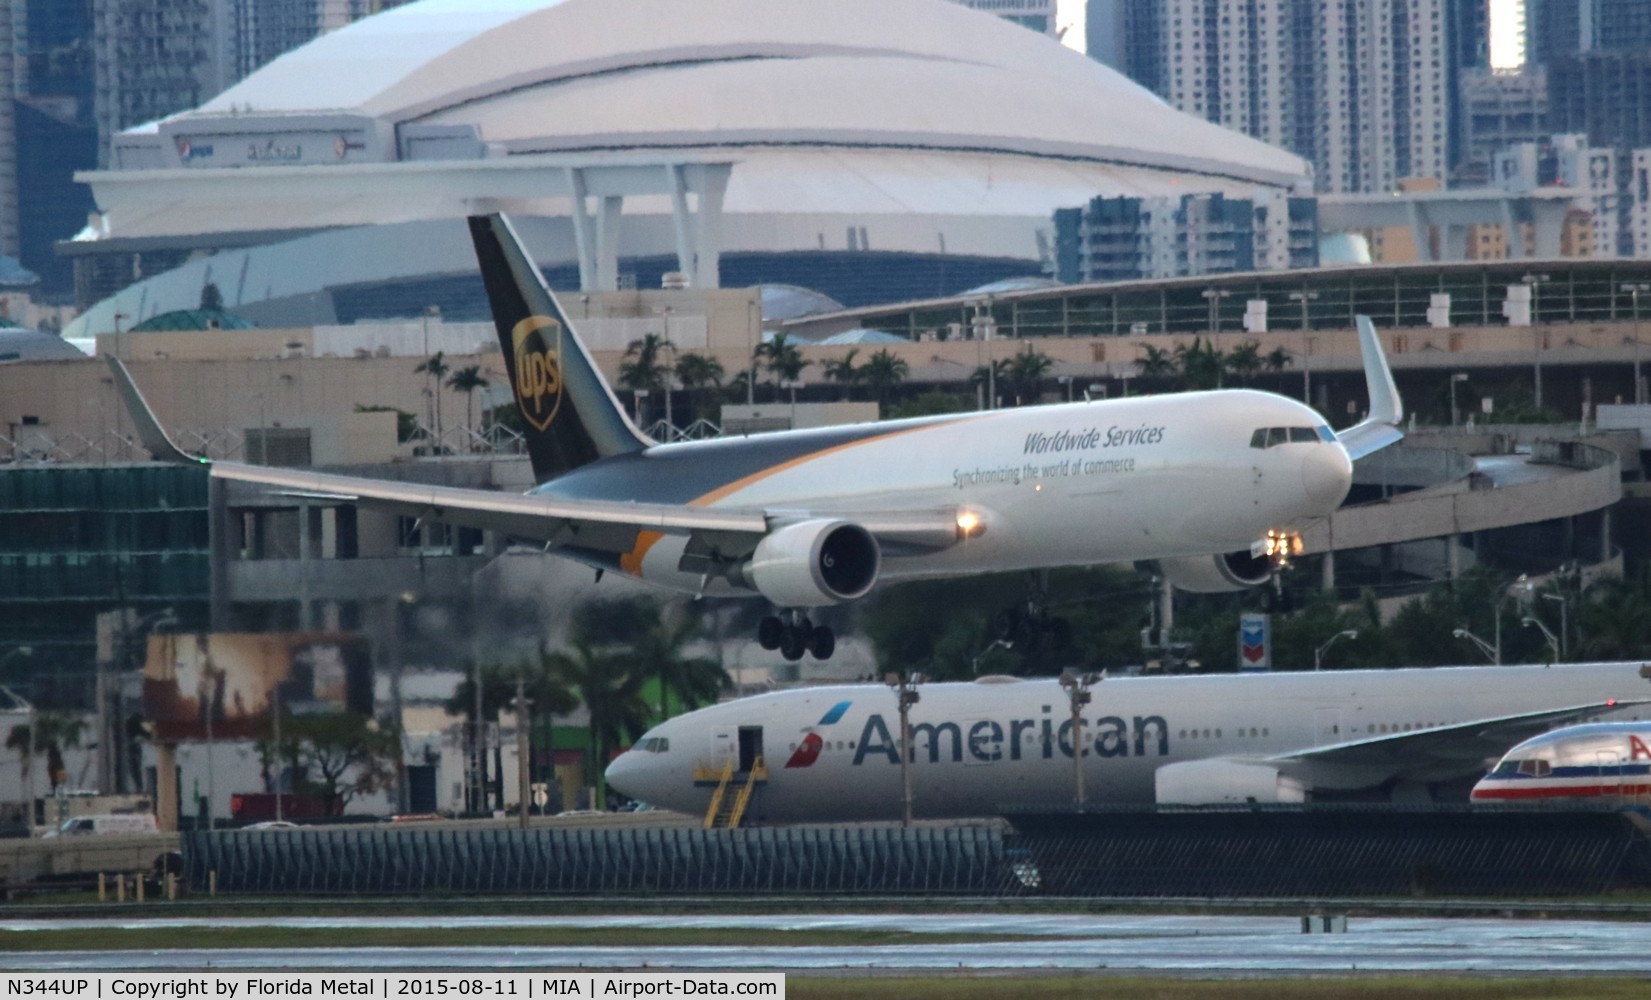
<point x="794" y="635"/>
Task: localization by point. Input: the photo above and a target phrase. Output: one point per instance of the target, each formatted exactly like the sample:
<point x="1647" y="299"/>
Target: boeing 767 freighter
<point x="1212" y="486"/>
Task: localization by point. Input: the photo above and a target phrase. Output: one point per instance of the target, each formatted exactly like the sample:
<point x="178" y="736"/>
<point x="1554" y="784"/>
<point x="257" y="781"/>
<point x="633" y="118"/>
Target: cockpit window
<point x="1268" y="437"/>
<point x="1325" y="434"/>
<point x="1535" y="768"/>
<point x="654" y="744"/>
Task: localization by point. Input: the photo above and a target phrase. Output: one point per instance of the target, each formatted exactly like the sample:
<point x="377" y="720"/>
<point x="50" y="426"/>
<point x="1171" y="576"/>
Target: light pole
<point x="1492" y="653"/>
<point x="1535" y="281"/>
<point x="905" y="690"/>
<point x="1078" y="694"/>
<point x="1214" y="297"/>
<point x="1634" y="289"/>
<point x="1318" y="654"/>
<point x="1553" y="641"/>
<point x="1066" y="380"/>
<point x="1454" y="413"/>
<point x="1564" y="618"/>
<point x="1305" y="297"/>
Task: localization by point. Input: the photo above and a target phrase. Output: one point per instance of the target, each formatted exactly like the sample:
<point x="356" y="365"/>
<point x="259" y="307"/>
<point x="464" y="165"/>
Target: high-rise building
<point x="1555" y="28"/>
<point x="1120" y="239"/>
<point x="1363" y="88"/>
<point x="1499" y="108"/>
<point x="1039" y="15"/>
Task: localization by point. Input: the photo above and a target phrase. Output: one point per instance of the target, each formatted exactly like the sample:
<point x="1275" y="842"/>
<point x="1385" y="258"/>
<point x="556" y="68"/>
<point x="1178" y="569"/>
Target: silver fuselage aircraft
<point x="831" y="754"/>
<point x="1596" y="764"/>
<point x="1210" y="485"/>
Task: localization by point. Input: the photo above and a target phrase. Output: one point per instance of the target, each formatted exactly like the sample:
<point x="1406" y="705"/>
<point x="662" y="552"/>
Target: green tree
<point x="782" y="359"/>
<point x="1027" y="370"/>
<point x="406" y="423"/>
<point x="434" y="369"/>
<point x="882" y="372"/>
<point x="1244" y="362"/>
<point x="609" y="685"/>
<point x="696" y="373"/>
<point x="338" y="755"/>
<point x="693" y="680"/>
<point x="53" y="732"/>
<point x="467" y="380"/>
<point x="930" y="404"/>
<point x="1203" y="365"/>
<point x="991" y="379"/>
<point x="212" y="300"/>
<point x="643" y="368"/>
<point x="844" y="372"/>
<point x="1276" y="360"/>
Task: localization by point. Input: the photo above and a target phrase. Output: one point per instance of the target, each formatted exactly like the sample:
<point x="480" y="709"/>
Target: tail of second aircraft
<point x="569" y="414"/>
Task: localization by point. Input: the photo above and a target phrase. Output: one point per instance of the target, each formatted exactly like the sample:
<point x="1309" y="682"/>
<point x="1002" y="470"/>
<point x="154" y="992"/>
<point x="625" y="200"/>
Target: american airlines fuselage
<point x="832" y="753"/>
<point x="1147" y="477"/>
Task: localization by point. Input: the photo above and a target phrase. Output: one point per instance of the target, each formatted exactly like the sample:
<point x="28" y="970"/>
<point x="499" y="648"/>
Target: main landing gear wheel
<point x="796" y="637"/>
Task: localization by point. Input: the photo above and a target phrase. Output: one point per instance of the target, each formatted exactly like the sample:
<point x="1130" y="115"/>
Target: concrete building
<point x="1364" y="90"/>
<point x="1499" y="109"/>
<point x="1038" y="15"/>
<point x="889" y="148"/>
<point x="1120" y="239"/>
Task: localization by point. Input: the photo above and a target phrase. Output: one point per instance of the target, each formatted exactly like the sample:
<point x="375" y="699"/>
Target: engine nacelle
<point x="1216" y="574"/>
<point x="814" y="563"/>
<point x="1218" y="782"/>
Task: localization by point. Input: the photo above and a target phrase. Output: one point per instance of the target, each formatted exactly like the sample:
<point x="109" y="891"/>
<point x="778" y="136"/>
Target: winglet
<point x="150" y="431"/>
<point x="1380" y="427"/>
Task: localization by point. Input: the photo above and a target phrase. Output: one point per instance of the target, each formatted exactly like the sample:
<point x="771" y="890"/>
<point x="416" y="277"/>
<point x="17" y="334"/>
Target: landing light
<point x="969" y="524"/>
<point x="1282" y="545"/>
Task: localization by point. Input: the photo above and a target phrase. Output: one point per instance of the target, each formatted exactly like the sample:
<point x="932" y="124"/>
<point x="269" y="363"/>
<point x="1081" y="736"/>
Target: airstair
<point x="733" y="795"/>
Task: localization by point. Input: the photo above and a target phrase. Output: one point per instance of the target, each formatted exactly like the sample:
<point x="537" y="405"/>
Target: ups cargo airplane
<point x="832" y="754"/>
<point x="1211" y="485"/>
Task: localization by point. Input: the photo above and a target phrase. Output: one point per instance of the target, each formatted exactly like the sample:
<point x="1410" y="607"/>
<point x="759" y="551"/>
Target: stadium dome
<point x="774" y="126"/>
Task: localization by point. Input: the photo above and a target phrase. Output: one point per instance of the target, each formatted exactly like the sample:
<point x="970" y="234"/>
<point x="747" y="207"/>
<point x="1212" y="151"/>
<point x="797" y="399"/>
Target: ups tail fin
<point x="569" y="414"/>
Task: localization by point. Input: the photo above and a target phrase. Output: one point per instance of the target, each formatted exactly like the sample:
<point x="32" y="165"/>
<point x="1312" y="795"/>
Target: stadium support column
<point x="679" y="215"/>
<point x="583" y="235"/>
<point x="713" y="187"/>
<point x="607" y="243"/>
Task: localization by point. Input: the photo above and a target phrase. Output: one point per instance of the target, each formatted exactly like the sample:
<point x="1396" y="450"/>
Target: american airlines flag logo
<point x="808" y="751"/>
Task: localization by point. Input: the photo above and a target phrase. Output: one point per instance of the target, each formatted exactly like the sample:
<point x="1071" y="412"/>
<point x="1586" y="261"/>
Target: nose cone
<point x="641" y="776"/>
<point x="1327" y="475"/>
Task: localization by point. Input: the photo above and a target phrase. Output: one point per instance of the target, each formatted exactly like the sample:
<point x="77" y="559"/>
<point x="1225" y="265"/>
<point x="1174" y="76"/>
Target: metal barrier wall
<point x="962" y="860"/>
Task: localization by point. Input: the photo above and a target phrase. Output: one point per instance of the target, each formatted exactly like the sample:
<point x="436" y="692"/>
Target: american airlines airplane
<point x="830" y="754"/>
<point x="1595" y="764"/>
<point x="1213" y="486"/>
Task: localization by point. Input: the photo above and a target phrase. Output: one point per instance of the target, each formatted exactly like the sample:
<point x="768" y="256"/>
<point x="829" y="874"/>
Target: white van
<point x="107" y="823"/>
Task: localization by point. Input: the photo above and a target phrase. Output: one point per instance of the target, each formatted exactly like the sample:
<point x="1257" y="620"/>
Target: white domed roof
<point x="558" y="76"/>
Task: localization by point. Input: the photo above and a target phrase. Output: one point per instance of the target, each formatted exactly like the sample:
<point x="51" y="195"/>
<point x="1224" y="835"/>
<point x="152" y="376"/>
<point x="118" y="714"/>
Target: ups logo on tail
<point x="538" y="368"/>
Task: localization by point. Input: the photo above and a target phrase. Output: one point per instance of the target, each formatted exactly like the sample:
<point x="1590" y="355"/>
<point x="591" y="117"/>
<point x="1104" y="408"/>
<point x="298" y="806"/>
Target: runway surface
<point x="1208" y="945"/>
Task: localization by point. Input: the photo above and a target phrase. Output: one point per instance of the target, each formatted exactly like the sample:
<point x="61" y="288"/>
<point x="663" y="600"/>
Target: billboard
<point x="1255" y="643"/>
<point x="223" y="685"/>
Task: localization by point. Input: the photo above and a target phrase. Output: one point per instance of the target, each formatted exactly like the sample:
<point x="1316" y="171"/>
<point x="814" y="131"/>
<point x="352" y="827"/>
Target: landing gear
<point x="794" y="635"/>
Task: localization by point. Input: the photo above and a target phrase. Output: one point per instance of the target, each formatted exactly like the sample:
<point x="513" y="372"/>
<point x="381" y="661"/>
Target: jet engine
<point x="814" y="563"/>
<point x="1214" y="782"/>
<point x="1216" y="574"/>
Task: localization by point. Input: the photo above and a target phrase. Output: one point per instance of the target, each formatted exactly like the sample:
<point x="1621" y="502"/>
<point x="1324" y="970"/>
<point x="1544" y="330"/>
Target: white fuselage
<point x="832" y="753"/>
<point x="1147" y="477"/>
<point x="1593" y="764"/>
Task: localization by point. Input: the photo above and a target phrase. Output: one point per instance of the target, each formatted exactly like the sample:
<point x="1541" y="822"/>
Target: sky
<point x="1507" y="41"/>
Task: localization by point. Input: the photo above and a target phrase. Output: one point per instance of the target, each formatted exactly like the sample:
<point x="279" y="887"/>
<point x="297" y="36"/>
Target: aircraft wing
<point x="606" y="525"/>
<point x="1380" y="427"/>
<point x="1439" y="751"/>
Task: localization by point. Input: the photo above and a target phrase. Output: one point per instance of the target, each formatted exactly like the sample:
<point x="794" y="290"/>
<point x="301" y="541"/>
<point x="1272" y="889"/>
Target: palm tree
<point x="1202" y="364"/>
<point x="1277" y="359"/>
<point x="1158" y="363"/>
<point x="989" y="378"/>
<point x="53" y="732"/>
<point x="696" y="372"/>
<point x="1026" y="371"/>
<point x="1244" y="361"/>
<point x="883" y="371"/>
<point x="609" y="684"/>
<point x="642" y="370"/>
<point x="783" y="360"/>
<point x="844" y="372"/>
<point x="435" y="367"/>
<point x="467" y="380"/>
<point x="695" y="680"/>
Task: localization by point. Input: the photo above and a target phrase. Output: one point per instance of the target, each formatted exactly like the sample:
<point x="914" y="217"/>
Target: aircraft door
<point x="1327" y="726"/>
<point x="724" y="747"/>
<point x="750" y="748"/>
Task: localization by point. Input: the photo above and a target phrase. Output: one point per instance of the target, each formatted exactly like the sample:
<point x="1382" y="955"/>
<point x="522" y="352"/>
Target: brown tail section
<point x="569" y="413"/>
